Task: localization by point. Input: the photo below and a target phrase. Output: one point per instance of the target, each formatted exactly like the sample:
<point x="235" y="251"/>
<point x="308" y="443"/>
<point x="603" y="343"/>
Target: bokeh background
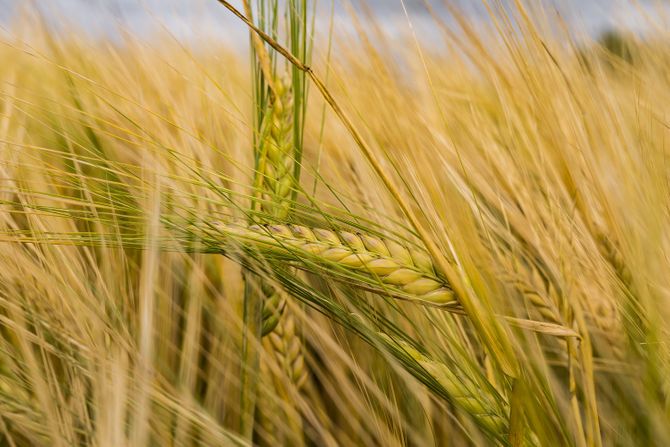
<point x="196" y="19"/>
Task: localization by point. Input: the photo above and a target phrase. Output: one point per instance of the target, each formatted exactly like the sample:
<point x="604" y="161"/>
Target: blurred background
<point x="206" y="19"/>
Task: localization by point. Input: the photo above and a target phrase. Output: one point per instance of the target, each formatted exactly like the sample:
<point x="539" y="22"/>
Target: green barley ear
<point x="275" y="182"/>
<point x="274" y="306"/>
<point x="276" y="163"/>
<point x="288" y="350"/>
<point x="275" y="169"/>
<point x="277" y="150"/>
<point x="489" y="411"/>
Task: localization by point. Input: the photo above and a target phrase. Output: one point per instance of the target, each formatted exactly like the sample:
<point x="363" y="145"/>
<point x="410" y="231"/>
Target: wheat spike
<point x="605" y="312"/>
<point x="549" y="303"/>
<point x="266" y="414"/>
<point x="404" y="273"/>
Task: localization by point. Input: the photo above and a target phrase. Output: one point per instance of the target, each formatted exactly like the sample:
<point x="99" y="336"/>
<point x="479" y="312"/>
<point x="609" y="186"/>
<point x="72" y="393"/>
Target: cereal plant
<point x="336" y="237"/>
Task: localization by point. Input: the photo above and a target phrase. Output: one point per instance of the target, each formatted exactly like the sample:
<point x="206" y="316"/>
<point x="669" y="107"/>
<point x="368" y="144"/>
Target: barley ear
<point x="489" y="412"/>
<point x="274" y="181"/>
<point x="288" y="350"/>
<point x="274" y="307"/>
<point x="401" y="271"/>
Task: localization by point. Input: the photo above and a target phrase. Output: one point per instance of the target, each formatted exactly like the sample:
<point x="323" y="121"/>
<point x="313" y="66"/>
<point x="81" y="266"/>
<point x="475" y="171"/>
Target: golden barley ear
<point x="402" y="271"/>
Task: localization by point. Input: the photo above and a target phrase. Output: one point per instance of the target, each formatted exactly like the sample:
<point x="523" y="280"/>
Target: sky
<point x="188" y="19"/>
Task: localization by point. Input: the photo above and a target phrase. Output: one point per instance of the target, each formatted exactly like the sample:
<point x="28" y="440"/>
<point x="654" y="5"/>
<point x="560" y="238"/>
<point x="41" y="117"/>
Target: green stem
<point x="250" y="360"/>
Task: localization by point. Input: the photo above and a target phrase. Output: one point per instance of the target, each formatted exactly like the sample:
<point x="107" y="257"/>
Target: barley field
<point x="337" y="231"/>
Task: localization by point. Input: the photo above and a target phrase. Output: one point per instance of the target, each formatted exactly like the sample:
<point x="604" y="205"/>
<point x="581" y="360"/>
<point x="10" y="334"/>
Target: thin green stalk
<point x="253" y="305"/>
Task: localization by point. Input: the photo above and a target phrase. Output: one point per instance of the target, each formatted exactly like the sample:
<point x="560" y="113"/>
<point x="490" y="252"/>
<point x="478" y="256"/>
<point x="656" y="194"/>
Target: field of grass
<point x="334" y="240"/>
